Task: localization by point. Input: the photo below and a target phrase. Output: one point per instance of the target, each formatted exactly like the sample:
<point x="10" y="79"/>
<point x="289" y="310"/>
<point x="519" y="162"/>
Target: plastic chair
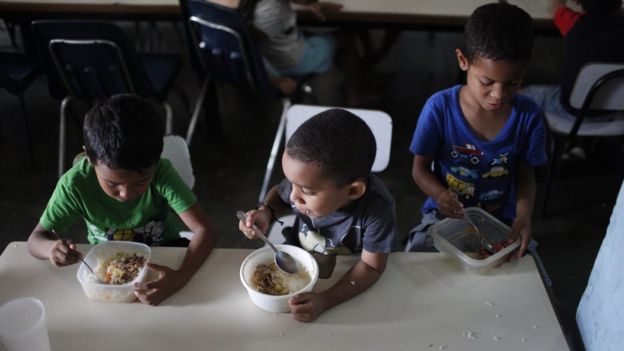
<point x="93" y="59"/>
<point x="379" y="122"/>
<point x="176" y="150"/>
<point x="225" y="50"/>
<point x="17" y="72"/>
<point x="598" y="87"/>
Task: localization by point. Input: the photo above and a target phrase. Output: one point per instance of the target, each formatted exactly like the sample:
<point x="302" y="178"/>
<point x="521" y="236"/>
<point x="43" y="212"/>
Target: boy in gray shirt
<point x="341" y="207"/>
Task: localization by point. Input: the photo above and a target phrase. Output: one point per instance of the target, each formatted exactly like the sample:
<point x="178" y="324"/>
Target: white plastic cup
<point x="23" y="325"/>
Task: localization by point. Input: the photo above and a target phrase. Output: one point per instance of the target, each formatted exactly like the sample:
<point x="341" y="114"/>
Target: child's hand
<point x="154" y="292"/>
<point x="262" y="220"/>
<point x="321" y="8"/>
<point x="449" y="206"/>
<point x="306" y="307"/>
<point x="64" y="253"/>
<point x="521" y="226"/>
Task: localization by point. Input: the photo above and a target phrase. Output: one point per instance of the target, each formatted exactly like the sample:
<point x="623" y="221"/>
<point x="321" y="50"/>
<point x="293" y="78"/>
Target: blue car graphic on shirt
<point x="490" y="195"/>
<point x="465" y="172"/>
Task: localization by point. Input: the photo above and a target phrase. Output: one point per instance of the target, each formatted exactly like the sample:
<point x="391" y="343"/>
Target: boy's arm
<point x="308" y="306"/>
<point x="199" y="249"/>
<point x="46" y="245"/>
<point x="524" y="206"/>
<point x="448" y="205"/>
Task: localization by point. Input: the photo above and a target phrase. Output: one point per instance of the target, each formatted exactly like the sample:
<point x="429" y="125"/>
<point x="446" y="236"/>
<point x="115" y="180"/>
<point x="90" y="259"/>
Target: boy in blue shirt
<point x="340" y="207"/>
<point x="482" y="139"/>
<point x="124" y="191"/>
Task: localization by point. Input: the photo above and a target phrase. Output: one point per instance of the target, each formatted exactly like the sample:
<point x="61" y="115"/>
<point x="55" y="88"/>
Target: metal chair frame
<point x="52" y="48"/>
<point x="592" y="100"/>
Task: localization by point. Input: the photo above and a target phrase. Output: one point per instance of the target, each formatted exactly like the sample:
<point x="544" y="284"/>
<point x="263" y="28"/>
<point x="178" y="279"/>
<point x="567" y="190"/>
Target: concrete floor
<point x="229" y="171"/>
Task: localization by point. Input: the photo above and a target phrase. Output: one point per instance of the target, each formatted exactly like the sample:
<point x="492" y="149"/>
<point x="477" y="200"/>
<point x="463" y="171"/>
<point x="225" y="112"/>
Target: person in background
<point x="594" y="35"/>
<point x="123" y="190"/>
<point x="482" y="139"/>
<point x="291" y="53"/>
<point x="340" y="207"/>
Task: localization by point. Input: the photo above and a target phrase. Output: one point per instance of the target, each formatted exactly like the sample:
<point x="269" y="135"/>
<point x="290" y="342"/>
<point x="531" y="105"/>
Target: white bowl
<point x="276" y="303"/>
<point x="110" y="292"/>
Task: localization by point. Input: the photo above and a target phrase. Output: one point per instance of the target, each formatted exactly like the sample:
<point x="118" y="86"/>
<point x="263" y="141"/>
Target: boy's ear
<point x="356" y="189"/>
<point x="462" y="60"/>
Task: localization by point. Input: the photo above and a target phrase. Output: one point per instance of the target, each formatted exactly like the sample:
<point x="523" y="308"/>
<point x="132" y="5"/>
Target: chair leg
<point x="62" y="137"/>
<point x="168" y="118"/>
<point x="28" y="137"/>
<point x="279" y="135"/>
<point x="552" y="162"/>
<point x="198" y="108"/>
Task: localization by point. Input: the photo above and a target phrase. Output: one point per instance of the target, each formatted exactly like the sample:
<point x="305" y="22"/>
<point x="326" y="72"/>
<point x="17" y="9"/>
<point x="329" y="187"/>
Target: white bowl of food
<point x="268" y="286"/>
<point x="117" y="265"/>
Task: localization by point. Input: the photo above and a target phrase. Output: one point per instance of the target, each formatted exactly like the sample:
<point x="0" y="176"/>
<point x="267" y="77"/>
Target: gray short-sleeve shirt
<point x="368" y="223"/>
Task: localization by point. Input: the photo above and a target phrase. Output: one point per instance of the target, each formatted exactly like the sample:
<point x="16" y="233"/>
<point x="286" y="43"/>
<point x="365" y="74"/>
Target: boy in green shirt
<point x="125" y="191"/>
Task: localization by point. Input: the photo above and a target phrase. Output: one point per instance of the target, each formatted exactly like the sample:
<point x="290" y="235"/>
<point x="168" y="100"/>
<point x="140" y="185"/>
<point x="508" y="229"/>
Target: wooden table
<point x="422" y="302"/>
<point x="405" y="14"/>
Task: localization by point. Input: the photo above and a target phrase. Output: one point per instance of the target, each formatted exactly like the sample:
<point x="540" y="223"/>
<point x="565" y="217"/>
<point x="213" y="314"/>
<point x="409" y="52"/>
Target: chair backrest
<point x="89" y="59"/>
<point x="601" y="309"/>
<point x="379" y="122"/>
<point x="225" y="47"/>
<point x="176" y="150"/>
<point x="601" y="85"/>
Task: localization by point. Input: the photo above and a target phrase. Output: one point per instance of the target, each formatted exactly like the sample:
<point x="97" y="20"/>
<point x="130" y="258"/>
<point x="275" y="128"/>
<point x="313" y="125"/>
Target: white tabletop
<point x="404" y="12"/>
<point x="422" y="299"/>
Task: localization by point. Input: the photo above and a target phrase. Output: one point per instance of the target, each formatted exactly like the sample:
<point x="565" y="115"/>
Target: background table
<point x="436" y="14"/>
<point x="422" y="299"/>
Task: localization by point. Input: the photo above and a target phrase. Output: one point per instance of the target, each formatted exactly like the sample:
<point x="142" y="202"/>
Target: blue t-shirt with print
<point x="481" y="172"/>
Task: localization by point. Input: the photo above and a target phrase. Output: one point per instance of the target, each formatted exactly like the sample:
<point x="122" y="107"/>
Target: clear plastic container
<point x="456" y="238"/>
<point x="100" y="253"/>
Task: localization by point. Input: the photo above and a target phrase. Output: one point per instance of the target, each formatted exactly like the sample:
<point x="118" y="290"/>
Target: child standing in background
<point x="482" y="139"/>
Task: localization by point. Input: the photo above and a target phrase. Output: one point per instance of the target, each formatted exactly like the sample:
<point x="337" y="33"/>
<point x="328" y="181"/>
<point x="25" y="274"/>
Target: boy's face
<point x="491" y="84"/>
<point x="121" y="184"/>
<point x="312" y="193"/>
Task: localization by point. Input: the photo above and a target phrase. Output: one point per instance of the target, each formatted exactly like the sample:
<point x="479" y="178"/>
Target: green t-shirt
<point x="149" y="219"/>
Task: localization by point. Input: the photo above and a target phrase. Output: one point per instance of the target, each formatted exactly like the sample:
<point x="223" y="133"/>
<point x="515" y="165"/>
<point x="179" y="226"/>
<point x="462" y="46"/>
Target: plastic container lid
<point x="457" y="239"/>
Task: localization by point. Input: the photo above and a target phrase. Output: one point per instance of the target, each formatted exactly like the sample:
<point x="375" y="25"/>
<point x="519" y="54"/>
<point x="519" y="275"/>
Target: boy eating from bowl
<point x="124" y="191"/>
<point x="340" y="207"/>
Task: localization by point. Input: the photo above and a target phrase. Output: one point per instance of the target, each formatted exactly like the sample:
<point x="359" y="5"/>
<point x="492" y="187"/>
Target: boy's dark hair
<point x="499" y="31"/>
<point x="339" y="141"/>
<point x="124" y="132"/>
<point x="601" y="7"/>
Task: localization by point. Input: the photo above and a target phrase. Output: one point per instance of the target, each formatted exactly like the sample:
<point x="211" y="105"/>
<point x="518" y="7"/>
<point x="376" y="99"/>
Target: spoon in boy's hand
<point x="283" y="260"/>
<point x="482" y="240"/>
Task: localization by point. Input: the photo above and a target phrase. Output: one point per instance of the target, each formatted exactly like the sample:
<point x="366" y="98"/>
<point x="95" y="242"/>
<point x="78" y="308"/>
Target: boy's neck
<point x="486" y="125"/>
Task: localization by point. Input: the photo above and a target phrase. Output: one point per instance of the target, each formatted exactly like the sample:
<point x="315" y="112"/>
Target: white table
<point x="422" y="299"/>
<point x="379" y="13"/>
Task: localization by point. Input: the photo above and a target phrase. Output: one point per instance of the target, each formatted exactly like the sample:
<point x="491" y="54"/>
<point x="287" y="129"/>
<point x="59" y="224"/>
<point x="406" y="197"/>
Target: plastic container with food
<point x="118" y="265"/>
<point x="458" y="240"/>
<point x="259" y="273"/>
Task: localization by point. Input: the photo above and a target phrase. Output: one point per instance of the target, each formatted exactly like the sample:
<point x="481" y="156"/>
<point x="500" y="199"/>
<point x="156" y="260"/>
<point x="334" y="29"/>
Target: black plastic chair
<point x="224" y="49"/>
<point x="17" y="72"/>
<point x="90" y="60"/>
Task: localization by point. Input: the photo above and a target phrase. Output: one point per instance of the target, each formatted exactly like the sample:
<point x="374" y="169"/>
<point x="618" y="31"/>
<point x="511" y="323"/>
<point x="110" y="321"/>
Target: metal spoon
<point x="97" y="280"/>
<point x="283" y="260"/>
<point x="482" y="240"/>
